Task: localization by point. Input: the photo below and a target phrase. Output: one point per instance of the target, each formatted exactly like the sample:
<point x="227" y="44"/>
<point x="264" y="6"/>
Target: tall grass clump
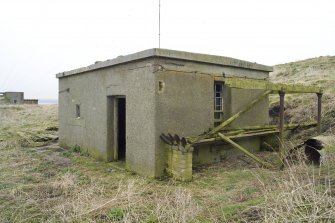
<point x="301" y="193"/>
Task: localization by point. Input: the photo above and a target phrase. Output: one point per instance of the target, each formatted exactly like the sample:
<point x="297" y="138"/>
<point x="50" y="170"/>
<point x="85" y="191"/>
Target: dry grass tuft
<point x="302" y="193"/>
<point x="175" y="206"/>
<point x="140" y="203"/>
<point x="39" y="184"/>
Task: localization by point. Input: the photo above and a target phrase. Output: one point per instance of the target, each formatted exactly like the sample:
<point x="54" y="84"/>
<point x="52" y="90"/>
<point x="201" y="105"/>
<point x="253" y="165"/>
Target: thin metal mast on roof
<point x="159" y="24"/>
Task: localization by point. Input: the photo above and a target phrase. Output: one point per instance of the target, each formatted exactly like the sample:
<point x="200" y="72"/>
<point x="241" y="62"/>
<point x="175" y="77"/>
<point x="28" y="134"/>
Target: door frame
<point x="115" y="125"/>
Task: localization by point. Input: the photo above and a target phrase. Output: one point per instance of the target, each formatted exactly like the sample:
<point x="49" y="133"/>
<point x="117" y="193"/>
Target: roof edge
<point x="173" y="54"/>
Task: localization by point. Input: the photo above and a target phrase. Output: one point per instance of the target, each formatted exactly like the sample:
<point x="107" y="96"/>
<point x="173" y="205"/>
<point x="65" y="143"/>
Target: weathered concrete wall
<point x="238" y="99"/>
<point x="137" y="82"/>
<point x="90" y="131"/>
<point x="185" y="106"/>
<point x="205" y="154"/>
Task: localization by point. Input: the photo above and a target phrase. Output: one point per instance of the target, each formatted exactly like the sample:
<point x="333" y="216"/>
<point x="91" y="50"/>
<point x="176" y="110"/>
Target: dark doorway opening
<point x="121" y="128"/>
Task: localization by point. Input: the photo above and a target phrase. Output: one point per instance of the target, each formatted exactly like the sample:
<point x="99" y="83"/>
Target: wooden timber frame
<point x="223" y="134"/>
<point x="217" y="134"/>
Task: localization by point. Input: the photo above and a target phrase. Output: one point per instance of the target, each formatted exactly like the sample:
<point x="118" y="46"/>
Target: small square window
<point x="77" y="110"/>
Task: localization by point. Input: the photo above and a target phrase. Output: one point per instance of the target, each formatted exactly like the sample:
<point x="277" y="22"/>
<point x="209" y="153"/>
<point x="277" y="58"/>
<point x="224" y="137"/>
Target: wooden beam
<point x="259" y="127"/>
<point x="246" y="152"/>
<point x="244" y="83"/>
<point x="232" y="118"/>
<point x="250" y="131"/>
<point x="243" y="135"/>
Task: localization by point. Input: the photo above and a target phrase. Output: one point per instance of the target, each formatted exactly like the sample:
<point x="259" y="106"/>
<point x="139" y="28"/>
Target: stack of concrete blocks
<point x="180" y="162"/>
<point x="31" y="101"/>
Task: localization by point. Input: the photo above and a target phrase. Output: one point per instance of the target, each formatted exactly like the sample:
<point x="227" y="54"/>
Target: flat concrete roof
<point x="173" y="54"/>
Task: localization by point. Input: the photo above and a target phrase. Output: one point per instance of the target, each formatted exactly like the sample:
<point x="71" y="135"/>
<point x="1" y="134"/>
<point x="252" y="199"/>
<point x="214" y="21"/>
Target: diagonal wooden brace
<point x="246" y="152"/>
<point x="232" y="118"/>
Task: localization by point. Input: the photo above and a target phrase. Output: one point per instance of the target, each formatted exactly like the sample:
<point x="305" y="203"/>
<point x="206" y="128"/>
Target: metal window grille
<point x="218" y="103"/>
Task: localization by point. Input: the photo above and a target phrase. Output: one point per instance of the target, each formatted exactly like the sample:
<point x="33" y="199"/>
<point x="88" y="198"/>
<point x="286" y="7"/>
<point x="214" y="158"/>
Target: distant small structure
<point x="30" y="101"/>
<point x="15" y="98"/>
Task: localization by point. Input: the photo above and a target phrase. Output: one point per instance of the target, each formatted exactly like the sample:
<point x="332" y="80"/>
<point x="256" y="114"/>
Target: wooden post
<point x="319" y="112"/>
<point x="281" y="117"/>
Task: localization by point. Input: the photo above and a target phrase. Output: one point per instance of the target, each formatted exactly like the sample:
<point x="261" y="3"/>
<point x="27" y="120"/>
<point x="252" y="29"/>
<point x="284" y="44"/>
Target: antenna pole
<point x="159" y="25"/>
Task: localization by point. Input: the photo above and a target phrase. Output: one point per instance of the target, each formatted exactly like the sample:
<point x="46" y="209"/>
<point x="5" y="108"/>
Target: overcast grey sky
<point x="39" y="38"/>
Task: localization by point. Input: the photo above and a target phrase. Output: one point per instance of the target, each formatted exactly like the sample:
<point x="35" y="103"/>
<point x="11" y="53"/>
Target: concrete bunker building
<point x="119" y="108"/>
<point x="13" y="97"/>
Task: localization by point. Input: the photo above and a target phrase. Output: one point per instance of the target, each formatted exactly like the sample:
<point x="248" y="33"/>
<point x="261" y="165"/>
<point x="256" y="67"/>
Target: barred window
<point x="218" y="103"/>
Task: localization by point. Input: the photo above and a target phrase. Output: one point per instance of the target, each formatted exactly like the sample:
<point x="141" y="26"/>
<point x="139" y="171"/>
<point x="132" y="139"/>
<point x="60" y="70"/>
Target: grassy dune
<point x="303" y="107"/>
<point x="41" y="182"/>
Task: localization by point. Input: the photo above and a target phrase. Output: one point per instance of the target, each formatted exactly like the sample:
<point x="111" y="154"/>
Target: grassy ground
<point x="41" y="182"/>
